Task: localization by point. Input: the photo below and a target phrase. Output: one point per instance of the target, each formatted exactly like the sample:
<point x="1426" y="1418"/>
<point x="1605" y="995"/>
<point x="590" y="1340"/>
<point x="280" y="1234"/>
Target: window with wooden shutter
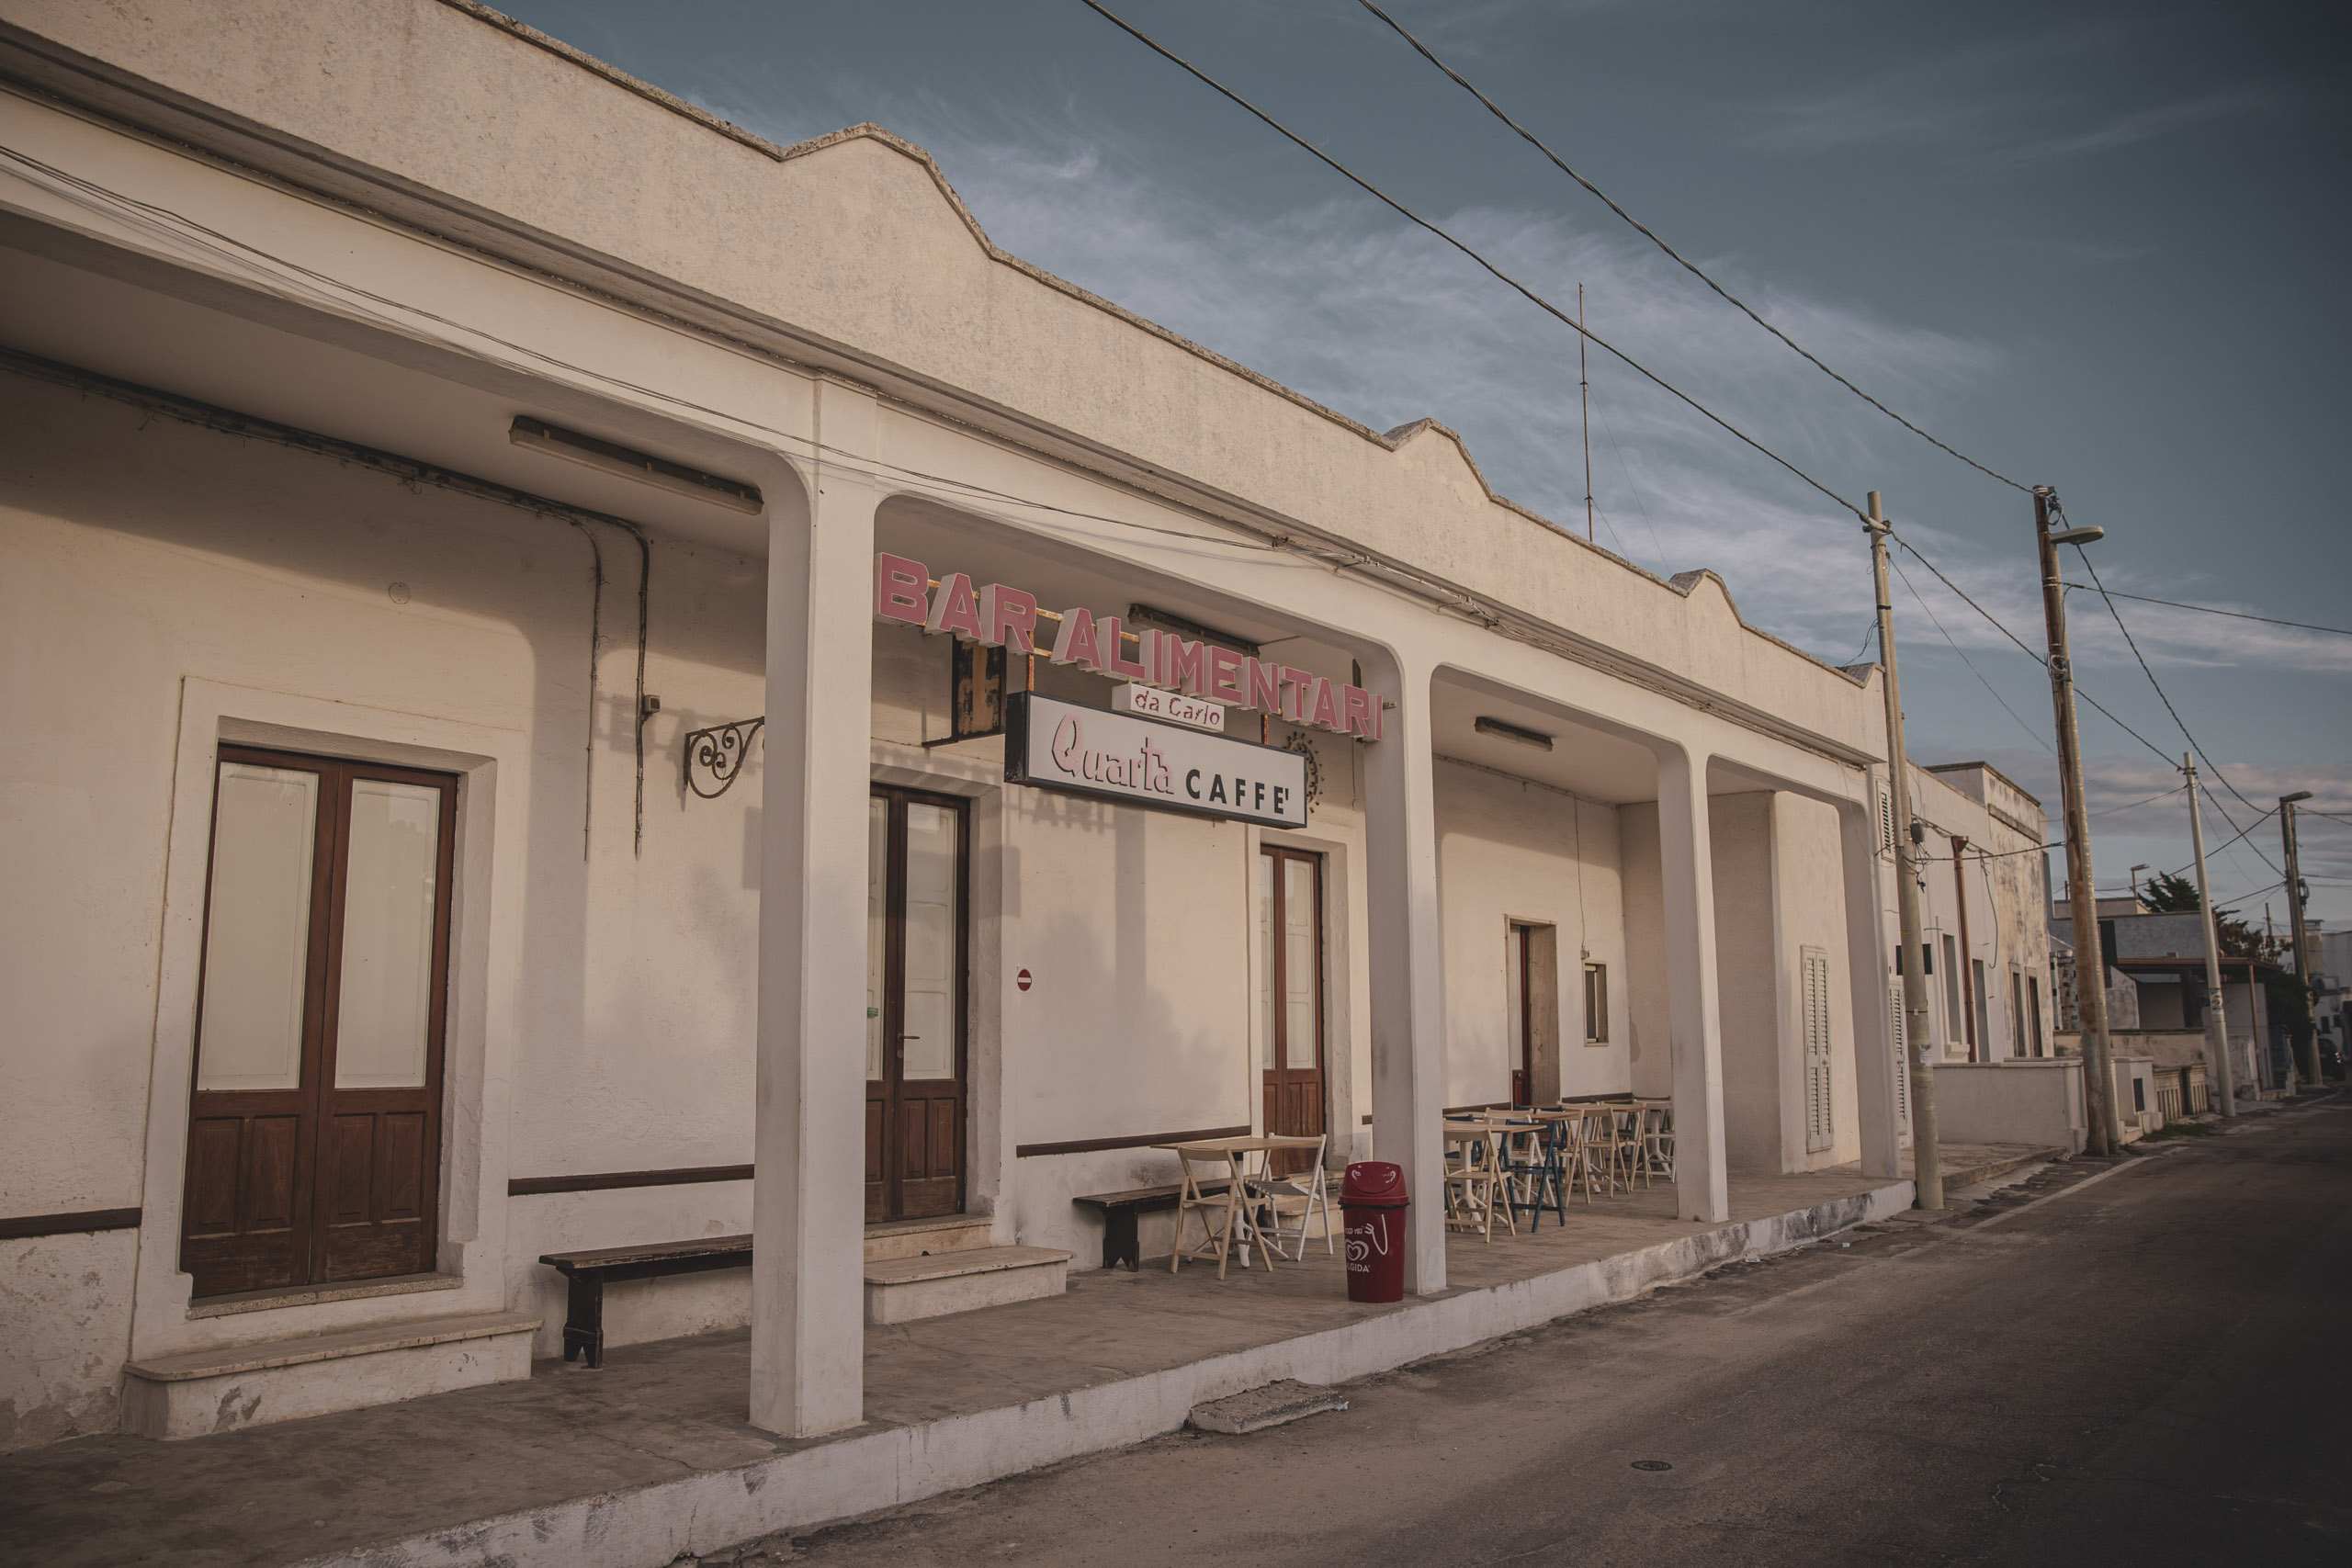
<point x="1819" y="1130"/>
<point x="1900" y="1035"/>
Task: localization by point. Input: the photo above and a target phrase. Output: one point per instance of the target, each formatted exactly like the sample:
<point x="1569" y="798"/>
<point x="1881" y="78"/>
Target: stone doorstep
<point x="917" y="1238"/>
<point x="1277" y="1403"/>
<point x="198" y="1393"/>
<point x="902" y="1290"/>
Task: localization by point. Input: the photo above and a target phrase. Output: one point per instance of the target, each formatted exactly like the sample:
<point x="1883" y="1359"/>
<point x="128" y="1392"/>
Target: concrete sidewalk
<point x="651" y="1458"/>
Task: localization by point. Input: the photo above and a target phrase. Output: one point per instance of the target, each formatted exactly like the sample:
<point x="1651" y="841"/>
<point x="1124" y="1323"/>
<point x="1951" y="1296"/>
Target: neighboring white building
<point x="429" y="450"/>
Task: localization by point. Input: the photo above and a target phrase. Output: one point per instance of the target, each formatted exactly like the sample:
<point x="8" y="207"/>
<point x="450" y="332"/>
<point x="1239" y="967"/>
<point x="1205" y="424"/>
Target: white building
<point x="428" y="449"/>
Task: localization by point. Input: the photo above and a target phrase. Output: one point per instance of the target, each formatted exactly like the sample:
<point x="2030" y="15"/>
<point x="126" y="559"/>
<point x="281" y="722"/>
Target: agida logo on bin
<point x="1000" y="617"/>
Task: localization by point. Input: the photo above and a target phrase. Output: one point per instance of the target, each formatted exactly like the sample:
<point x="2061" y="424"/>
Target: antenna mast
<point x="1584" y="396"/>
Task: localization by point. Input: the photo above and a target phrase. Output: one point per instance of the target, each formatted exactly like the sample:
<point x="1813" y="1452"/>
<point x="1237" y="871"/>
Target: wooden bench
<point x="589" y="1272"/>
<point x="1119" y="1210"/>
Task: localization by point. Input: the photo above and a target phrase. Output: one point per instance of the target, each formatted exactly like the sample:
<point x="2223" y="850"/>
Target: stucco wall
<point x="1512" y="852"/>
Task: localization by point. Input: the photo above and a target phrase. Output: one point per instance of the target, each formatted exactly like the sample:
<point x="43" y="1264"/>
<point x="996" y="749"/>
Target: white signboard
<point x="1173" y="707"/>
<point x="1143" y="761"/>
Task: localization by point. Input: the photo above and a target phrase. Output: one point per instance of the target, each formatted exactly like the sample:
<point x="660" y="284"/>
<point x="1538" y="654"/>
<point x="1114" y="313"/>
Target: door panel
<point x="1290" y="994"/>
<point x="315" y="1124"/>
<point x="916" y="983"/>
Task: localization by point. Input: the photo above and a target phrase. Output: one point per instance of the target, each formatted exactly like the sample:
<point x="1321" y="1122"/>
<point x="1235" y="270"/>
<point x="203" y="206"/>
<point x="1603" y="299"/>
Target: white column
<point x="807" y="1197"/>
<point x="1687" y="878"/>
<point x="1866" y="972"/>
<point x="1407" y="966"/>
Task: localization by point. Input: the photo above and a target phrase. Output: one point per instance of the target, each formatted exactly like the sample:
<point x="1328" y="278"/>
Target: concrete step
<point x="902" y="1290"/>
<point x="198" y="1393"/>
<point x="926" y="1238"/>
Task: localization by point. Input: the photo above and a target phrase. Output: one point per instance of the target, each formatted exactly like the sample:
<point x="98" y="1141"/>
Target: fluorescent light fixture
<point x="2090" y="536"/>
<point x="643" y="466"/>
<point x="1497" y="727"/>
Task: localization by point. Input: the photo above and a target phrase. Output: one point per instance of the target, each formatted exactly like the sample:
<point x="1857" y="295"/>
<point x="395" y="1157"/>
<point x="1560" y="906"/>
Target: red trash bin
<point x="1372" y="1202"/>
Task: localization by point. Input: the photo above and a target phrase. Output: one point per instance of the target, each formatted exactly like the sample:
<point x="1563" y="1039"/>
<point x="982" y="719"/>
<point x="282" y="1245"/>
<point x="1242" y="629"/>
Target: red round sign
<point x="1022" y="979"/>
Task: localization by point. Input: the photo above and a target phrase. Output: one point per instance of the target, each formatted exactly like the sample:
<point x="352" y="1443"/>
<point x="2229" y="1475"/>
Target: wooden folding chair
<point x="1224" y="1217"/>
<point x="1297" y="1198"/>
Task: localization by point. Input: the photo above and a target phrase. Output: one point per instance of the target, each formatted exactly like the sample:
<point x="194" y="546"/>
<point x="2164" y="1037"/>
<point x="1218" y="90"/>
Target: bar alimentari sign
<point x="1146" y="762"/>
<point x="1006" y="617"/>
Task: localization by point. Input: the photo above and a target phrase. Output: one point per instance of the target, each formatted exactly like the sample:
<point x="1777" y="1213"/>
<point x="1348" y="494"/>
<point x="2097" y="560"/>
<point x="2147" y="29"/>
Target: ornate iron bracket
<point x="1300" y="744"/>
<point x="719" y="754"/>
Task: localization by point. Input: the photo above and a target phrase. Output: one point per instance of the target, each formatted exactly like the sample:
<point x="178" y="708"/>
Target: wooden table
<point x="1235" y="1229"/>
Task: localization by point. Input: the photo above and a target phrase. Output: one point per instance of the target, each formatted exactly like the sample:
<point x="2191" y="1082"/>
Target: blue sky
<point x="2097" y="245"/>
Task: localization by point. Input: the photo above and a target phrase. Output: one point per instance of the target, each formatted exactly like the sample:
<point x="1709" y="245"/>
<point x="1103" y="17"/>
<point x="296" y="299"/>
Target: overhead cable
<point x="1419" y="221"/>
<point x="1687" y="265"/>
<point x="2032" y="733"/>
<point x="2213" y="610"/>
<point x="2129" y="641"/>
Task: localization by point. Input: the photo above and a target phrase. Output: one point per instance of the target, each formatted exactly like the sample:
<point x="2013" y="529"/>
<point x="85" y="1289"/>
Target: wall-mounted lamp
<point x="643" y="466"/>
<point x="1498" y="728"/>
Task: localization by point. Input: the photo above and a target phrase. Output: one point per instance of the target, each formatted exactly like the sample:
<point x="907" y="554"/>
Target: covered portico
<point x="370" y="396"/>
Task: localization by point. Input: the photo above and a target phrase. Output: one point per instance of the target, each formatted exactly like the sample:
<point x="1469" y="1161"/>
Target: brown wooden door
<point x="916" y="973"/>
<point x="1290" y="991"/>
<point x="314" y="1121"/>
<point x="1532" y="965"/>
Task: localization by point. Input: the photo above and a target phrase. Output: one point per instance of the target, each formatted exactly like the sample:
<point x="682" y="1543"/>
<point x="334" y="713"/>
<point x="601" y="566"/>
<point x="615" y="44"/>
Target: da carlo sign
<point x="1000" y="617"/>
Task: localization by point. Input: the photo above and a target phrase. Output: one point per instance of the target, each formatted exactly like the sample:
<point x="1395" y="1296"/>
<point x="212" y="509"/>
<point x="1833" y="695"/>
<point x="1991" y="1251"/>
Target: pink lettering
<point x="899" y="585"/>
<point x="1356" y="710"/>
<point x="1180" y="666"/>
<point x="957" y="609"/>
<point x="1076" y="643"/>
<point x="1225" y="676"/>
<point x="1299" y="682"/>
<point x="1009" y="613"/>
<point x="1327" y="712"/>
<point x="1264" y="683"/>
<point x="1115" y="655"/>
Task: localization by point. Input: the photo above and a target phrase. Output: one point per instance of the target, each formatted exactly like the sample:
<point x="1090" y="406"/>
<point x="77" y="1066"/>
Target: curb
<point x="822" y="1482"/>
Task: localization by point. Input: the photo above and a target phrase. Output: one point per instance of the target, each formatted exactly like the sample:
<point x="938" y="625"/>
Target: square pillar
<point x="1407" y="966"/>
<point x="1686" y="868"/>
<point x="1867" y="967"/>
<point x="807" y="1193"/>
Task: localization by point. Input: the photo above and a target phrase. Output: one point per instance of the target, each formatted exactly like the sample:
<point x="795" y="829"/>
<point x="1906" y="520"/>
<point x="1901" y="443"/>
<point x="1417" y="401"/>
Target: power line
<point x="2111" y="810"/>
<point x="1995" y="622"/>
<point x="2129" y="641"/>
<point x="2032" y="733"/>
<point x="1420" y="222"/>
<point x="2214" y="609"/>
<point x="1692" y="268"/>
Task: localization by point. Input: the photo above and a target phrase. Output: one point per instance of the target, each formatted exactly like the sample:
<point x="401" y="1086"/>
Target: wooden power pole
<point x="1927" y="1158"/>
<point x="2105" y="1133"/>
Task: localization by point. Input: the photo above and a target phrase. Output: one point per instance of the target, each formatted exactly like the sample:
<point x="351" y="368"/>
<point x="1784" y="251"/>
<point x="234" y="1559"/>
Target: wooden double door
<point x="1290" y="991"/>
<point x="916" y="973"/>
<point x="314" y="1123"/>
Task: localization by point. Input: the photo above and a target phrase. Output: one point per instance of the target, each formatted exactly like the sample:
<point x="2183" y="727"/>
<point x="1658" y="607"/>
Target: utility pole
<point x="2106" y="1131"/>
<point x="2306" y="1048"/>
<point x="2219" y="1075"/>
<point x="1584" y="396"/>
<point x="1926" y="1157"/>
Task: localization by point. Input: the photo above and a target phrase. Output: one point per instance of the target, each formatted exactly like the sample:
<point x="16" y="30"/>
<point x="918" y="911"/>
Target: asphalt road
<point x="2140" y="1362"/>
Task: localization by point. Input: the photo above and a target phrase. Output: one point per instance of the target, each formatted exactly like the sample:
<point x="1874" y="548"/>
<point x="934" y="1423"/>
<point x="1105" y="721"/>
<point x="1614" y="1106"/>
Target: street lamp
<point x="2132" y="885"/>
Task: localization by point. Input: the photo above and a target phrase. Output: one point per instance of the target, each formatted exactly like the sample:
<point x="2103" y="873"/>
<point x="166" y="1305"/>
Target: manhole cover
<point x="1652" y="1465"/>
